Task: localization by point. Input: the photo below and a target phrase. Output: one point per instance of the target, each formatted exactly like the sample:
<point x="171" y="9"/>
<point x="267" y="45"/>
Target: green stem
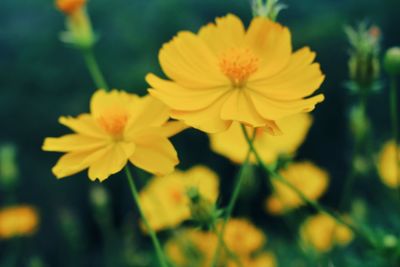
<point x="275" y="175"/>
<point x="94" y="69"/>
<point x="160" y="254"/>
<point x="229" y="209"/>
<point x="230" y="253"/>
<point x="394" y="119"/>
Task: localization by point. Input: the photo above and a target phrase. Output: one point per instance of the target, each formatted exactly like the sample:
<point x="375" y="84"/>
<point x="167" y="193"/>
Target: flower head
<point x="120" y="127"/>
<point x="165" y="201"/>
<point x="225" y="74"/>
<point x="233" y="145"/>
<point x="308" y="178"/>
<point x="18" y="221"/>
<point x="388" y="169"/>
<point x="322" y="232"/>
<point x="70" y="6"/>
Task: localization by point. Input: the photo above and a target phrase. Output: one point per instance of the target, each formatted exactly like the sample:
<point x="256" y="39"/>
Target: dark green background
<point x="41" y="79"/>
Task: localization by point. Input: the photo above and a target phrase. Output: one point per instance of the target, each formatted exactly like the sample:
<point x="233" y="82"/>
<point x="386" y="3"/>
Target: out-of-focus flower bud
<point x="392" y="61"/>
<point x="8" y="166"/>
<point x="269" y="9"/>
<point x="359" y="123"/>
<point x="99" y="197"/>
<point x="364" y="66"/>
<point x="79" y="31"/>
<point x="202" y="210"/>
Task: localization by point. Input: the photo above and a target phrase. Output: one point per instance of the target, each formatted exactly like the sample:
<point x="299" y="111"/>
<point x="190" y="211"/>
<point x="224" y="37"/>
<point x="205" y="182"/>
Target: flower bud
<point x="269" y="9"/>
<point x="99" y="197"/>
<point x="392" y="61"/>
<point x="202" y="210"/>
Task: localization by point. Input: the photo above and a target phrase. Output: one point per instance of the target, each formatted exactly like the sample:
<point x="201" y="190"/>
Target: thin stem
<point x="229" y="209"/>
<point x="160" y="254"/>
<point x="395" y="127"/>
<point x="275" y="175"/>
<point x="94" y="69"/>
<point x="230" y="253"/>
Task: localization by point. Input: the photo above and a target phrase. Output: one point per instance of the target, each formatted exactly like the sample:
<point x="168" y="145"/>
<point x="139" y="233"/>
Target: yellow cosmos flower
<point x="165" y="202"/>
<point x="308" y="178"/>
<point x="233" y="145"/>
<point x="225" y="73"/>
<point x="18" y="221"/>
<point x="388" y="169"/>
<point x="120" y="127"/>
<point x="242" y="237"/>
<point x="193" y="247"/>
<point x="70" y="6"/>
<point x="322" y="232"/>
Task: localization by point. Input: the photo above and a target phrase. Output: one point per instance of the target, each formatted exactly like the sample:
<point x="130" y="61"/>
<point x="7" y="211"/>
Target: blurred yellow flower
<point x="119" y="127"/>
<point x="70" y="6"/>
<point x="193" y="247"/>
<point x="233" y="145"/>
<point x="307" y="177"/>
<point x="388" y="169"/>
<point x="225" y="73"/>
<point x="17" y="221"/>
<point x="164" y="199"/>
<point x="242" y="237"/>
<point x="322" y="232"/>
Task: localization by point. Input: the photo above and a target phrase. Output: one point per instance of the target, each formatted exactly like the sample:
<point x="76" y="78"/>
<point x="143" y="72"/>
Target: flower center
<point x="238" y="64"/>
<point x="114" y="121"/>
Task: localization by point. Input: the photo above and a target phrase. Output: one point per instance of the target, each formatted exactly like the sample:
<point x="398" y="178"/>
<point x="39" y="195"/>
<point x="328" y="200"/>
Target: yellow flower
<point x="70" y="6"/>
<point x="322" y="232"/>
<point x="388" y="169"/>
<point x="165" y="202"/>
<point x="242" y="237"/>
<point x="18" y="221"/>
<point x="233" y="145"/>
<point x="193" y="247"/>
<point x="119" y="127"/>
<point x="225" y="73"/>
<point x="307" y="177"/>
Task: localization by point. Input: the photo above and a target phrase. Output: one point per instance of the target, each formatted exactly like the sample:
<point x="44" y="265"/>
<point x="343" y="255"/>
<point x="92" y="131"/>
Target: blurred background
<point x="41" y="79"/>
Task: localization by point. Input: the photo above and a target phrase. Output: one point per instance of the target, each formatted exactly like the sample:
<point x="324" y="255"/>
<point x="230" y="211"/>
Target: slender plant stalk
<point x="94" y="69"/>
<point x="160" y="254"/>
<point x="395" y="125"/>
<point x="229" y="209"/>
<point x="275" y="175"/>
<point x="230" y="253"/>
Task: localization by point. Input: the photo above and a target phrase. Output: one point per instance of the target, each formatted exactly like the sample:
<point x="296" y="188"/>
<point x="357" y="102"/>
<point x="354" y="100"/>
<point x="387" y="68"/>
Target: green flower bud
<point x="202" y="210"/>
<point x="8" y="166"/>
<point x="392" y="61"/>
<point x="269" y="9"/>
<point x="99" y="197"/>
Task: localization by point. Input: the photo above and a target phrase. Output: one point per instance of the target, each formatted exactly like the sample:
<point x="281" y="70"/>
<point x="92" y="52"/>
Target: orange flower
<point x="69" y="6"/>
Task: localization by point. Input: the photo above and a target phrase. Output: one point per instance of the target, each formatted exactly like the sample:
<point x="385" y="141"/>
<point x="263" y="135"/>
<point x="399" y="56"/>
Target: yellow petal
<point x="179" y="98"/>
<point x="172" y="128"/>
<point x="110" y="163"/>
<point x="72" y="142"/>
<point x="208" y="119"/>
<point x="239" y="107"/>
<point x="298" y="79"/>
<point x="274" y="109"/>
<point x="272" y="43"/>
<point x="102" y="101"/>
<point x="154" y="154"/>
<point x="189" y="61"/>
<point x="75" y="162"/>
<point x="388" y="169"/>
<point x="226" y="32"/>
<point x="84" y="124"/>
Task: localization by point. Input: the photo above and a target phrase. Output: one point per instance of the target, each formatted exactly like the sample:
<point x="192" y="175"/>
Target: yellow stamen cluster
<point x="114" y="121"/>
<point x="238" y="64"/>
<point x="69" y="6"/>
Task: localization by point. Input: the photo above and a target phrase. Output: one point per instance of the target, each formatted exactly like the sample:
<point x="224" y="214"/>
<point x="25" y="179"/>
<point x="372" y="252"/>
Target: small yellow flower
<point x="242" y="237"/>
<point x="70" y="6"/>
<point x="193" y="247"/>
<point x="165" y="202"/>
<point x="388" y="169"/>
<point x="308" y="178"/>
<point x="120" y="127"/>
<point x="233" y="145"/>
<point x="18" y="221"/>
<point x="225" y="73"/>
<point x="322" y="232"/>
